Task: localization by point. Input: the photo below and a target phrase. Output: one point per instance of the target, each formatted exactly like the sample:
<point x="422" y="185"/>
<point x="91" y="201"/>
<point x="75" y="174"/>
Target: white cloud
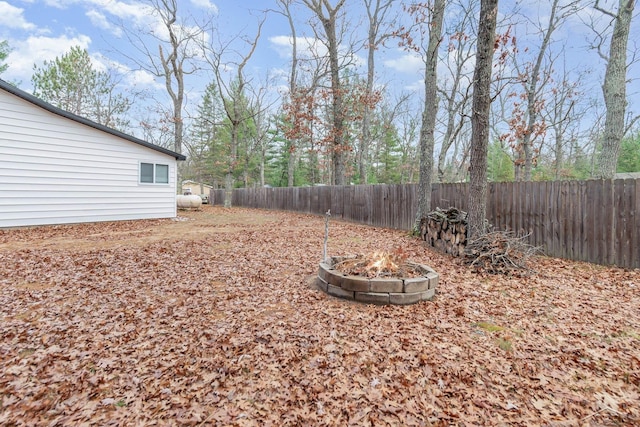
<point x="101" y="21"/>
<point x="205" y="4"/>
<point x="11" y="17"/>
<point x="138" y="78"/>
<point x="141" y="78"/>
<point x="307" y="47"/>
<point x="282" y="45"/>
<point x="136" y="11"/>
<point x="56" y="3"/>
<point x="35" y="50"/>
<point x="407" y="63"/>
<point x="97" y="10"/>
<point x="310" y="49"/>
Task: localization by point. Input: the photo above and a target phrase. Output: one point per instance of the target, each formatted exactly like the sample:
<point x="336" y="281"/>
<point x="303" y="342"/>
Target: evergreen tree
<point x="499" y="164"/>
<point x="203" y="145"/>
<point x="629" y="160"/>
<point x="71" y="83"/>
<point x="237" y="138"/>
<point x="4" y="52"/>
<point x="389" y="156"/>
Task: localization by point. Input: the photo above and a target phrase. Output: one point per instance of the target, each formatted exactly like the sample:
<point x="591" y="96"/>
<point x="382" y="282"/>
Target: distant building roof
<point x="188" y="181"/>
<point x="55" y="110"/>
<point x="627" y="175"/>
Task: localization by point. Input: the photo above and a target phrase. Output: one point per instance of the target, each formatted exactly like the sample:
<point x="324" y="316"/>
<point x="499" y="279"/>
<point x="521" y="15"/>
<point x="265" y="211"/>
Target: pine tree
<point x="4" y="52"/>
<point x="71" y="83"/>
<point x="204" y="146"/>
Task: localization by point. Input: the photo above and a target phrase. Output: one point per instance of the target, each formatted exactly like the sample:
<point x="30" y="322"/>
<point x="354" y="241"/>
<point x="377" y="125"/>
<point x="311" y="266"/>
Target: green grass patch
<point x="489" y="327"/>
<point x="26" y="352"/>
<point x="504" y="344"/>
<point x="630" y="334"/>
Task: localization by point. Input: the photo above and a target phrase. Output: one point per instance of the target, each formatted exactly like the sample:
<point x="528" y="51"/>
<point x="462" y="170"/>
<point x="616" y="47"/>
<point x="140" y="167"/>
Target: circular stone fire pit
<point x="379" y="290"/>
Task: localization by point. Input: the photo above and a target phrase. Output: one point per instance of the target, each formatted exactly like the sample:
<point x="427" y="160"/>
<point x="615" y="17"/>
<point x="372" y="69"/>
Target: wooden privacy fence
<point x="596" y="220"/>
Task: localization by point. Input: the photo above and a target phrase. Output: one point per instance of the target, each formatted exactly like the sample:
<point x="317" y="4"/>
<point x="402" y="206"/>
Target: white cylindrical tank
<point x="186" y="202"/>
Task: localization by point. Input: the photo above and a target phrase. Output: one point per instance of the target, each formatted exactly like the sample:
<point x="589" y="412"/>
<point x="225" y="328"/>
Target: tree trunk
<point x="228" y="189"/>
<point x="365" y="140"/>
<point x="293" y="82"/>
<point x="427" y="131"/>
<point x="559" y="142"/>
<point x="338" y="147"/>
<point x="480" y="118"/>
<point x="262" y="170"/>
<point x="615" y="91"/>
<point x="173" y="70"/>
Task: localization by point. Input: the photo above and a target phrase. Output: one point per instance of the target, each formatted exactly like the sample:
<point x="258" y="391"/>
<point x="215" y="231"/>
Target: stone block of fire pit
<point x="433" y="279"/>
<point x="411" y="297"/>
<point x="373" y="297"/>
<point x="323" y="272"/>
<point x="380" y="284"/>
<point x="356" y="283"/>
<point x="337" y="291"/>
<point x="416" y="284"/>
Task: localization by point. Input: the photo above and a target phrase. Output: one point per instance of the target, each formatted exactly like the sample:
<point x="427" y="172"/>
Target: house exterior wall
<point x="54" y="170"/>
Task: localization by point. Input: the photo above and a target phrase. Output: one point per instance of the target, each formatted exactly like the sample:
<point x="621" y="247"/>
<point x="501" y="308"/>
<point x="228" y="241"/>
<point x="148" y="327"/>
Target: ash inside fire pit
<point x="377" y="279"/>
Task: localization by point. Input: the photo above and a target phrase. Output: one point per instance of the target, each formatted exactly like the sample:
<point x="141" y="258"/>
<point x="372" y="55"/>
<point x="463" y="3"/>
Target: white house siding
<point x="54" y="170"/>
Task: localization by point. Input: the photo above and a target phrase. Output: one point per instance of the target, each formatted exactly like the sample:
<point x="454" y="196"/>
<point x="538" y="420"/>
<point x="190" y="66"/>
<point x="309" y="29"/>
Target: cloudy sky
<point x="39" y="30"/>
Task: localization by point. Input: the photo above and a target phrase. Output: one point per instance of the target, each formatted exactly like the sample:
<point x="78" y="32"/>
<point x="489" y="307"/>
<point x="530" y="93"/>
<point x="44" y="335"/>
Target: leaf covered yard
<point x="214" y="320"/>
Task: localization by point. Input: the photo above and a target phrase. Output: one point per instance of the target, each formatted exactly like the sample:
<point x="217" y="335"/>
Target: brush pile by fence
<point x="500" y="252"/>
<point x="445" y="230"/>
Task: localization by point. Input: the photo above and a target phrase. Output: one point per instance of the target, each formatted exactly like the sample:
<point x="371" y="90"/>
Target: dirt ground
<point x="213" y="319"/>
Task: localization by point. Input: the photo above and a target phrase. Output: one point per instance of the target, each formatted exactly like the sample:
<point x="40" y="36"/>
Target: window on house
<point x="146" y="172"/>
<point x="162" y="174"/>
<point x="152" y="173"/>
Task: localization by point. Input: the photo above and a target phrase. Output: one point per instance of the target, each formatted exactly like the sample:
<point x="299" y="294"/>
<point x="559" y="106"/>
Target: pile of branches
<point x="499" y="252"/>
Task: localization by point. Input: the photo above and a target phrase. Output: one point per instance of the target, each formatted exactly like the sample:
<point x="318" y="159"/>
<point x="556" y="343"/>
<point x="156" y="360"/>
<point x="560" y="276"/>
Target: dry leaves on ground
<point x="214" y="321"/>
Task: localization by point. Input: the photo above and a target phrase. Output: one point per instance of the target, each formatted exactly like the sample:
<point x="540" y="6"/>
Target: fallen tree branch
<point x="499" y="252"/>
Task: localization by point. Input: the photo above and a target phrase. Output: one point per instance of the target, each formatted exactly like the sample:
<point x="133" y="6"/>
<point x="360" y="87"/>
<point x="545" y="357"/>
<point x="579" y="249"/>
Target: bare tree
<point x="171" y="56"/>
<point x="172" y="62"/>
<point x="233" y="92"/>
<point x="480" y="118"/>
<point x="562" y="115"/>
<point x="429" y="18"/>
<point x="533" y="79"/>
<point x="409" y="124"/>
<point x="328" y="16"/>
<point x="382" y="151"/>
<point x="377" y="13"/>
<point x="615" y="87"/>
<point x="285" y="10"/>
<point x="263" y="121"/>
<point x="456" y="87"/>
